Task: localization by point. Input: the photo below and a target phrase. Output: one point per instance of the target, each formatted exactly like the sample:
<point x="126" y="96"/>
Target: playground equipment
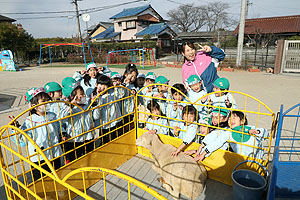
<point x="42" y="46"/>
<point x="139" y="57"/>
<point x="112" y="148"/>
<point x="285" y="177"/>
<point x="7" y="61"/>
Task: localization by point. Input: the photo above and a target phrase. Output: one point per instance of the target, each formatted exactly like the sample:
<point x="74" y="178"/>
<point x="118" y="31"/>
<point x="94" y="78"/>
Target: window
<point x="120" y="24"/>
<point x="167" y="43"/>
<point x="130" y="24"/>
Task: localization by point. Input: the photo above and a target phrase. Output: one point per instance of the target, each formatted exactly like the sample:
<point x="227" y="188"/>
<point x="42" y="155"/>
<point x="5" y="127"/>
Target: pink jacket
<point x="197" y="66"/>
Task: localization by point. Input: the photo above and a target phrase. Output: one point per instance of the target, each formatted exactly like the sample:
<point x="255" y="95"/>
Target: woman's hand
<point x="206" y="49"/>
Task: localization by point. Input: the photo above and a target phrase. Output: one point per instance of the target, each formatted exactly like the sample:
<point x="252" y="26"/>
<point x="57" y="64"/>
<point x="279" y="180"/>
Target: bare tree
<point x="187" y="18"/>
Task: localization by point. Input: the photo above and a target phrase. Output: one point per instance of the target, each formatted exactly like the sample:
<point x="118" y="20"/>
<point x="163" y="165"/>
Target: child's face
<point x="155" y="111"/>
<point x="177" y="96"/>
<point x="116" y="81"/>
<point x="189" y="53"/>
<point x="162" y="88"/>
<point x="101" y="88"/>
<point x="131" y="76"/>
<point x="40" y="110"/>
<point x="92" y="72"/>
<point x="189" y="118"/>
<point x="204" y="130"/>
<point x="196" y="87"/>
<point x="80" y="95"/>
<point x="57" y="95"/>
<point x="235" y="121"/>
<point x="141" y="82"/>
<point x="215" y="119"/>
<point x="149" y="81"/>
<point x="215" y="89"/>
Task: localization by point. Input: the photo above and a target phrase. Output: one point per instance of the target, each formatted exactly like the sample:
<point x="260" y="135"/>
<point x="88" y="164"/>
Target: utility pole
<point x="77" y="16"/>
<point x="241" y="34"/>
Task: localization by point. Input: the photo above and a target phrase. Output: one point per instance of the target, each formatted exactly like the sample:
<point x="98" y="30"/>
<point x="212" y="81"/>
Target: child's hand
<point x="199" y="157"/>
<point x="204" y="99"/>
<point x="175" y="106"/>
<point x="127" y="80"/>
<point x="145" y="128"/>
<point x="16" y="123"/>
<point x="176" y="131"/>
<point x="174" y="153"/>
<point x="133" y="92"/>
<point x="189" y="152"/>
<point x="227" y="102"/>
<point x="152" y="131"/>
<point x="253" y="132"/>
<point x="74" y="100"/>
<point x="210" y="102"/>
<point x="100" y="69"/>
<point x="64" y="138"/>
<point x="82" y="72"/>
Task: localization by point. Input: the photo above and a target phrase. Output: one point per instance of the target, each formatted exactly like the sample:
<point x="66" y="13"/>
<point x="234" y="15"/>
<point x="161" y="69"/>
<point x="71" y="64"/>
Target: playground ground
<point x="271" y="89"/>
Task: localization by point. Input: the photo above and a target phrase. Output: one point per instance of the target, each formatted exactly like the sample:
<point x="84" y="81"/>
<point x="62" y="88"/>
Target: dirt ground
<point x="273" y="90"/>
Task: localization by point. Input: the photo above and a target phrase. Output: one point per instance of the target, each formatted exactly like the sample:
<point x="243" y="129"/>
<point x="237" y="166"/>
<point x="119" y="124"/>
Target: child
<point x="154" y="126"/>
<point x="189" y="115"/>
<point x="162" y="92"/>
<point x="237" y="122"/>
<point x="140" y="81"/>
<point x="148" y="91"/>
<point x="87" y="77"/>
<point x="108" y="113"/>
<point x="115" y="78"/>
<point x="44" y="136"/>
<point x="80" y="123"/>
<point x="196" y="89"/>
<point x="223" y="99"/>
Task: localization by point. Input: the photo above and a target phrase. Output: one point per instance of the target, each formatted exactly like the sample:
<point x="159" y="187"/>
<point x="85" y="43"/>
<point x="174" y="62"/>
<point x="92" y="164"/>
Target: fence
<point x="291" y="56"/>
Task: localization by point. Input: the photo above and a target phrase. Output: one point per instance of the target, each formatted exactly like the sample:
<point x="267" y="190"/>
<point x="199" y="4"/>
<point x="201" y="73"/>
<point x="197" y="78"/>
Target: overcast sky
<point x="67" y="27"/>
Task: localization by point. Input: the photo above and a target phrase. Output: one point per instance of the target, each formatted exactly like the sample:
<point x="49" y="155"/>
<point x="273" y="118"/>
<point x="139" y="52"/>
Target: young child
<point x="154" y="127"/>
<point x="189" y="115"/>
<point x="237" y="122"/>
<point x="196" y="89"/>
<point x="88" y="78"/>
<point x="223" y="99"/>
<point x="116" y="78"/>
<point x="80" y="123"/>
<point x="148" y="91"/>
<point x="162" y="92"/>
<point x="109" y="114"/>
<point x="140" y="81"/>
<point x="44" y="137"/>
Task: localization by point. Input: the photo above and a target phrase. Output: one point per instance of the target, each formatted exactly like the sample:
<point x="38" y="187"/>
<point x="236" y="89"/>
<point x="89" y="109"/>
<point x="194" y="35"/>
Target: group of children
<point x="110" y="113"/>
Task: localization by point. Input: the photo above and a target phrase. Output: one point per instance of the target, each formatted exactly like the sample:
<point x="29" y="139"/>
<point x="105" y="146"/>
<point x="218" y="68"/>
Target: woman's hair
<point x="130" y="68"/>
<point x="154" y="105"/>
<point x="87" y="78"/>
<point x="240" y="115"/>
<point x="190" y="44"/>
<point x="74" y="92"/>
<point x="104" y="80"/>
<point x="35" y="100"/>
<point x="178" y="86"/>
<point x="190" y="109"/>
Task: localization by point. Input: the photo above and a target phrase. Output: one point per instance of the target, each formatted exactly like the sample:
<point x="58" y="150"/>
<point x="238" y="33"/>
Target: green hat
<point x="67" y="80"/>
<point x="205" y="120"/>
<point x="115" y="75"/>
<point x="238" y="136"/>
<point x="69" y="87"/>
<point x="220" y="111"/>
<point x="193" y="79"/>
<point x="32" y="92"/>
<point x="52" y="87"/>
<point x="150" y="75"/>
<point x="222" y="83"/>
<point x="162" y="80"/>
<point x="90" y="65"/>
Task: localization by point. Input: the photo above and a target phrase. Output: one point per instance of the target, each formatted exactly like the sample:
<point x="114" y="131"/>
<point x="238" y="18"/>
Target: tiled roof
<point x="6" y="19"/>
<point x="108" y="33"/>
<point x="285" y="24"/>
<point x="153" y="29"/>
<point x="130" y="12"/>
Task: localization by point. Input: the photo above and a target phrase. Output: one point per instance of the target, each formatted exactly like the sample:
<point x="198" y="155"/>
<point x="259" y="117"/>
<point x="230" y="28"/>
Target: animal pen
<point x="114" y="148"/>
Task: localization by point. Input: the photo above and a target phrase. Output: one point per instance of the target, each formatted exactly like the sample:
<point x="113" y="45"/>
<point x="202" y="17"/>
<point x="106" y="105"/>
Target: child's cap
<point x="115" y="75"/>
<point x="141" y="75"/>
<point x="204" y="120"/>
<point x="238" y="136"/>
<point x="162" y="80"/>
<point x="67" y="80"/>
<point x="222" y="83"/>
<point x="90" y="65"/>
<point x="52" y="87"/>
<point x="32" y="92"/>
<point x="193" y="79"/>
<point x="150" y="75"/>
<point x="69" y="87"/>
<point x="222" y="112"/>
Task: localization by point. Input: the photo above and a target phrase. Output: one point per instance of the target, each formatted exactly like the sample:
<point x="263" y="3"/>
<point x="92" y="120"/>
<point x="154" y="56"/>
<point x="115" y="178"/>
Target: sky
<point x="66" y="25"/>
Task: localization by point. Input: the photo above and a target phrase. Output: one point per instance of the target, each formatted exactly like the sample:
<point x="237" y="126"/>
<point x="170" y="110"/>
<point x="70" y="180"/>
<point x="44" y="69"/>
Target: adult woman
<point x="201" y="63"/>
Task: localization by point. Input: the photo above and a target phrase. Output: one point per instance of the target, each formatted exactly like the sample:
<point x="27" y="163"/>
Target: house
<point x="99" y="28"/>
<point x="133" y="24"/>
<point x="270" y="29"/>
<point x="6" y="19"/>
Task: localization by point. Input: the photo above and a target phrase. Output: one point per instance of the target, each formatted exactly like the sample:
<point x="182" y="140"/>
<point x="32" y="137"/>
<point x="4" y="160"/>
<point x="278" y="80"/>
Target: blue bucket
<point x="247" y="184"/>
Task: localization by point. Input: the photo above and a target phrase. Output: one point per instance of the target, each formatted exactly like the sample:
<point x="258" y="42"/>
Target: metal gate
<point x="291" y="56"/>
